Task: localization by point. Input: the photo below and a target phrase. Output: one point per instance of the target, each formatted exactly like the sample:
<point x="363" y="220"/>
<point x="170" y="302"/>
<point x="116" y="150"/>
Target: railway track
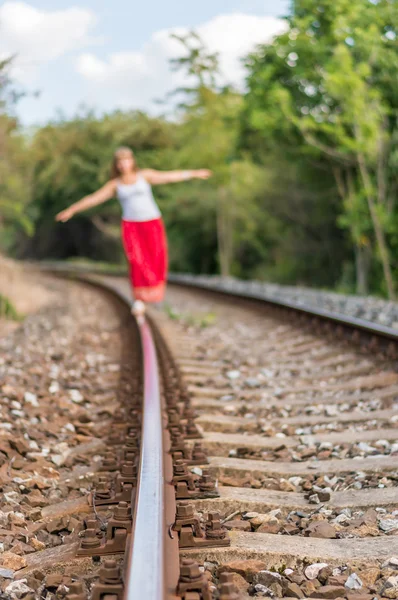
<point x="260" y="441"/>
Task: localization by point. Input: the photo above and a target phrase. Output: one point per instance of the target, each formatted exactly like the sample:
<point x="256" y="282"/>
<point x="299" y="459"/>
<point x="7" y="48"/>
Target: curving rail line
<point x="145" y="563"/>
<point x="151" y="568"/>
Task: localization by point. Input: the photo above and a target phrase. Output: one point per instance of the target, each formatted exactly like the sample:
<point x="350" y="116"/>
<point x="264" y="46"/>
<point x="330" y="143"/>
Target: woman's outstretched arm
<point x="102" y="195"/>
<point x="158" y="177"/>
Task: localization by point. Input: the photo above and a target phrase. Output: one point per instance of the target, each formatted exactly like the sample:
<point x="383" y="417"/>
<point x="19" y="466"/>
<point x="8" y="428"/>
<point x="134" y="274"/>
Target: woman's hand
<point x="65" y="215"/>
<point x="203" y="173"/>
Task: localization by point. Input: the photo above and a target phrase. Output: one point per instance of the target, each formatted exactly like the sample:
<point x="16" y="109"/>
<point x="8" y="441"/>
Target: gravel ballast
<point x="367" y="308"/>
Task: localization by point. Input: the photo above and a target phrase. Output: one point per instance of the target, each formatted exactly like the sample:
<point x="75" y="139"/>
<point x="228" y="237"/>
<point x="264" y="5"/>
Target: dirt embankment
<point x="21" y="285"/>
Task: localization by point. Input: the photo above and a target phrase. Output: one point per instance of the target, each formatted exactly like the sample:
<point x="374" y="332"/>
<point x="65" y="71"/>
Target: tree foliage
<point x="15" y="181"/>
<point x="326" y="89"/>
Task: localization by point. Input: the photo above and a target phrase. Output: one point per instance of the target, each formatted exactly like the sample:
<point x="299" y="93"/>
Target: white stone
<point x="353" y="582"/>
<point x="12" y="497"/>
<point x="391" y="562"/>
<point x="391" y="582"/>
<point x="325" y="446"/>
<point x="197" y="471"/>
<point x="233" y="374"/>
<point x="57" y="459"/>
<point x="331" y="480"/>
<point x="31" y="399"/>
<point x="263" y="590"/>
<point x="18" y="413"/>
<point x="268" y="577"/>
<point x="4" y="519"/>
<point x="295" y="481"/>
<point x="54" y="387"/>
<point x="364" y="447"/>
<point x="18" y="589"/>
<point x="341" y="519"/>
<point x="382" y="443"/>
<point x="252" y="382"/>
<point x="312" y="571"/>
<point x="388" y="524"/>
<point x="227" y="398"/>
<point x="250" y="515"/>
<point x="76" y="396"/>
<point x="308" y="440"/>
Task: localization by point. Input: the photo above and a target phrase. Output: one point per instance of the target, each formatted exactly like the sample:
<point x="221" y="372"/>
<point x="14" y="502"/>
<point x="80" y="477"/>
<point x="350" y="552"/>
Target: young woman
<point x="143" y="232"/>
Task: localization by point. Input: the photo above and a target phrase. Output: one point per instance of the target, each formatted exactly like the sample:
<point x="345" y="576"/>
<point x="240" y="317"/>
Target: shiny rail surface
<point x="150" y="551"/>
<point x="145" y="563"/>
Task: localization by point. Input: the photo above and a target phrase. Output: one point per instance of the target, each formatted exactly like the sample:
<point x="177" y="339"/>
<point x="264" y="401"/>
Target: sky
<point x="109" y="54"/>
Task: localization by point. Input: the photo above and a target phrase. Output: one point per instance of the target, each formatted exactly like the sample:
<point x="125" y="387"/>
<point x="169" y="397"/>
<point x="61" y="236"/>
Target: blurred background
<point x="293" y="105"/>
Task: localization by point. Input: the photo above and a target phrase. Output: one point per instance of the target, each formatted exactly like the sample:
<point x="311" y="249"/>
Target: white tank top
<point x="137" y="201"/>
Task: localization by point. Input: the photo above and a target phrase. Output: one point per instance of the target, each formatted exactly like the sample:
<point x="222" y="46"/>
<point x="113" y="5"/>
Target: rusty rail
<point x="145" y="563"/>
<point x="151" y="566"/>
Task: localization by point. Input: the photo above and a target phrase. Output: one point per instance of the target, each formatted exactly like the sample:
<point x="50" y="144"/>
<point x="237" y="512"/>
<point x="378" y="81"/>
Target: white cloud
<point x="37" y="37"/>
<point x="135" y="79"/>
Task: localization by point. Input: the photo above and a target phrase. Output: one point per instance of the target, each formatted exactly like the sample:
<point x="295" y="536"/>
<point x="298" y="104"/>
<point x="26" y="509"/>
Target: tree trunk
<point x="380" y="237"/>
<point x="362" y="264"/>
<point x="223" y="234"/>
<point x="109" y="230"/>
<point x="345" y="187"/>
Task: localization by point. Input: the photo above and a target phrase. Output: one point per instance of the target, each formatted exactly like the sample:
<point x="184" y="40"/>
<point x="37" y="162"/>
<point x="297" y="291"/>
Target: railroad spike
<point x="109" y="462"/>
<point x="192" y="535"/>
<point x="190" y="486"/>
<point x="192" y="431"/>
<point x="117" y="533"/>
<point x="110" y="583"/>
<point x="76" y="591"/>
<point x="227" y="589"/>
<point x="193" y="580"/>
<point x="199" y="455"/>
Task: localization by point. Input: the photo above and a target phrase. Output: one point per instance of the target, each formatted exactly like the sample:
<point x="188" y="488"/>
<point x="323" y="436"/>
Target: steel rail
<point x="248" y="291"/>
<point x="145" y="562"/>
<point x="152" y="547"/>
<point x="222" y="288"/>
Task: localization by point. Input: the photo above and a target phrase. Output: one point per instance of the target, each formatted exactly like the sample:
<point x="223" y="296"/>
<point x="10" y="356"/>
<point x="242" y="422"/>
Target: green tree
<point x="209" y="136"/>
<point x="327" y="88"/>
<point x="14" y="167"/>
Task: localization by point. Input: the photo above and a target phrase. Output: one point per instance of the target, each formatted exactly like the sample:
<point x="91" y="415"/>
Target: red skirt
<point x="145" y="245"/>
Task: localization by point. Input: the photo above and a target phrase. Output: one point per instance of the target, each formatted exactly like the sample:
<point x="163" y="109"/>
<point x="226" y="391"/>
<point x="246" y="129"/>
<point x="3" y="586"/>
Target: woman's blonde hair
<point x="122" y="150"/>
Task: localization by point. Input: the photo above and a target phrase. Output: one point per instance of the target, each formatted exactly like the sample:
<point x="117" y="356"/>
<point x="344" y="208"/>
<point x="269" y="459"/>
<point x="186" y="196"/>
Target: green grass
<point x="7" y="310"/>
<point x="95" y="266"/>
<point x="171" y="313"/>
<point x="190" y="319"/>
